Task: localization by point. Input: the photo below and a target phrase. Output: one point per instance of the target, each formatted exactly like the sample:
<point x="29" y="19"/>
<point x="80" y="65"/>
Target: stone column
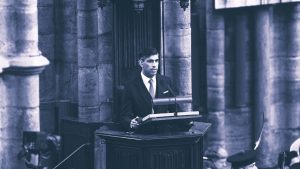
<point x="105" y="67"/>
<point x="6" y="37"/>
<point x="263" y="88"/>
<point x="6" y="48"/>
<point x="66" y="56"/>
<point x="46" y="23"/>
<point x="177" y="39"/>
<point x="105" y="47"/>
<point x="88" y="75"/>
<point x="242" y="66"/>
<point x="215" y="76"/>
<point x="238" y="111"/>
<point x="292" y="67"/>
<point x="20" y="82"/>
<point x="198" y="24"/>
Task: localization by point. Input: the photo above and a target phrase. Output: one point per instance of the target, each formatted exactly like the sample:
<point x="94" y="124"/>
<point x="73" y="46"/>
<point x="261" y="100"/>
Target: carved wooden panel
<point x="133" y="31"/>
<point x="150" y="156"/>
<point x="170" y="158"/>
<point x="124" y="157"/>
<point x="160" y="154"/>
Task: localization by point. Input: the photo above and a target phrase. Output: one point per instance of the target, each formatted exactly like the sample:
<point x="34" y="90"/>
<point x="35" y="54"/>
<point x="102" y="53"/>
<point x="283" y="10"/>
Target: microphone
<point x="174" y="95"/>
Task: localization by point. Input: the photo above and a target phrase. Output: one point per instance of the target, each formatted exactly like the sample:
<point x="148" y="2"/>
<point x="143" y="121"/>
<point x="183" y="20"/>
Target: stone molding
<point x="4" y="63"/>
<point x="23" y="64"/>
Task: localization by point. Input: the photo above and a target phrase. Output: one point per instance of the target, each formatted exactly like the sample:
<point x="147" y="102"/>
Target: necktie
<point x="151" y="91"/>
<point x="151" y="88"/>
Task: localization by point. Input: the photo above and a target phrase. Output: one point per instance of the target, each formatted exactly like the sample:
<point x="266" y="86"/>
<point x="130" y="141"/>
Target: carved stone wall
<point x="21" y="63"/>
<point x="177" y="47"/>
<point x="254" y="59"/>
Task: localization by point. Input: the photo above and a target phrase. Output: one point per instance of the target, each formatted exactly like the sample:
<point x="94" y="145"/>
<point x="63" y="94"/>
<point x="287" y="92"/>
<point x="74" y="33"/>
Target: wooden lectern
<point x="178" y="150"/>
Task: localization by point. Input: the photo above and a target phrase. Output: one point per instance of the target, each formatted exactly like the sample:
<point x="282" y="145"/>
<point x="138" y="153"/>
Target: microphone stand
<point x="172" y="92"/>
<point x="175" y="113"/>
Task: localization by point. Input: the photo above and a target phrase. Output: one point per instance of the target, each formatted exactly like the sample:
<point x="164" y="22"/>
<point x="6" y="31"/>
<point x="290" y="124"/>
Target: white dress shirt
<point x="146" y="82"/>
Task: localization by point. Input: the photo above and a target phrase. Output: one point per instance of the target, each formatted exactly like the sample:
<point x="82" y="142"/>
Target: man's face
<point x="220" y="163"/>
<point x="150" y="65"/>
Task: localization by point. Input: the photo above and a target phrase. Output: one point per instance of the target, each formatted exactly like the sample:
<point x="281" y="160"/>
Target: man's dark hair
<point x="147" y="52"/>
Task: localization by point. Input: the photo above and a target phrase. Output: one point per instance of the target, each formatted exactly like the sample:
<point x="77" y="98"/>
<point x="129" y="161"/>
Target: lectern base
<point x="180" y="150"/>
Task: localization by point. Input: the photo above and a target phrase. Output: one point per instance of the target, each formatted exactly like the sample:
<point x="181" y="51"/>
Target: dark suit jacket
<point x="137" y="101"/>
<point x="295" y="166"/>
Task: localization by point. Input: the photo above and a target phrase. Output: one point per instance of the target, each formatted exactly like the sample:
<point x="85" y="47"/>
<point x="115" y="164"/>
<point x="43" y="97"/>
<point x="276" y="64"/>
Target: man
<point x="295" y="161"/>
<point x="215" y="158"/>
<point x="137" y="101"/>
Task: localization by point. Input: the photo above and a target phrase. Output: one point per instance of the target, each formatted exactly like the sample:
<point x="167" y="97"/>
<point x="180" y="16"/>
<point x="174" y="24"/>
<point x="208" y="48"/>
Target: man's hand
<point x="134" y="123"/>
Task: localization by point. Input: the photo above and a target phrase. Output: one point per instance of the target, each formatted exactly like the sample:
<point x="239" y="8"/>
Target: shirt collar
<point x="146" y="79"/>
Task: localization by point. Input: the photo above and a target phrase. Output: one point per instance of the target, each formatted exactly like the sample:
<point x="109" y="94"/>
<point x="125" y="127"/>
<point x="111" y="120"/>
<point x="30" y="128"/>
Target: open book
<point x="160" y="115"/>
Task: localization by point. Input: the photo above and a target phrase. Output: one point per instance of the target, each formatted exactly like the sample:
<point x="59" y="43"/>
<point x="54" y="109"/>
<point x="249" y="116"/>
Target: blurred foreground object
<point x="40" y="150"/>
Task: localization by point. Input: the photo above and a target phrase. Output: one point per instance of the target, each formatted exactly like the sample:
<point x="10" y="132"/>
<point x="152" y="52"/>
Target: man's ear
<point x="141" y="63"/>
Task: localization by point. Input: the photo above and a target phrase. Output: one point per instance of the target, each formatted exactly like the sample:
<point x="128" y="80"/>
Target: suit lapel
<point x="159" y="87"/>
<point x="143" y="90"/>
<point x="145" y="95"/>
